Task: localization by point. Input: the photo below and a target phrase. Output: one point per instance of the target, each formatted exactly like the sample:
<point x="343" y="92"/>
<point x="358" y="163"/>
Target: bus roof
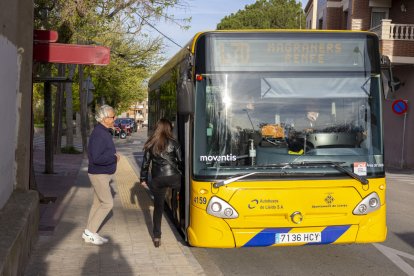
<point x="190" y="46"/>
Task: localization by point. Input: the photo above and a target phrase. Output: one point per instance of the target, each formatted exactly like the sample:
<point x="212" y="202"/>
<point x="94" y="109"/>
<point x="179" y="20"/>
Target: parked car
<point x="122" y="127"/>
<point x="132" y="123"/>
<point x="129" y="122"/>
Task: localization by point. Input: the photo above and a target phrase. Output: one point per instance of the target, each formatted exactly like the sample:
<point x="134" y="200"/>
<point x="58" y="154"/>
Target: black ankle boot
<point x="157" y="242"/>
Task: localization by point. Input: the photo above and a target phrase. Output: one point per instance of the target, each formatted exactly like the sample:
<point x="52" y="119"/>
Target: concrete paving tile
<point x="32" y="273"/>
<point x="49" y="272"/>
<point x="73" y="264"/>
<point x="130" y="250"/>
<point x="52" y="266"/>
<point x="190" y="273"/>
<point x="107" y="273"/>
<point x="140" y="251"/>
<point x="143" y="263"/>
<point x="125" y="269"/>
<point x="71" y="271"/>
<point x="179" y="261"/>
<point x="166" y="273"/>
<point x="91" y="265"/>
<point x="108" y="267"/>
<point x="148" y="271"/>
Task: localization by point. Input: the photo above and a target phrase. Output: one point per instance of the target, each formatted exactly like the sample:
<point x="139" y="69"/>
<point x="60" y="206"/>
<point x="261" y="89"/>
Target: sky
<point x="206" y="14"/>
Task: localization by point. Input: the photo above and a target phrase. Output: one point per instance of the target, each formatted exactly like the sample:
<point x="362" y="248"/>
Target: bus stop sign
<point x="399" y="107"/>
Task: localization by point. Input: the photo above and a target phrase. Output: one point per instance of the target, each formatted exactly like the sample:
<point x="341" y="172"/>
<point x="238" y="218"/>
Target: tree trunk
<point x="57" y="135"/>
<point x="69" y="108"/>
<point x="83" y="111"/>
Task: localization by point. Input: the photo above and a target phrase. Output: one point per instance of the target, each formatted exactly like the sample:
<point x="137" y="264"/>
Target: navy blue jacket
<point x="101" y="151"/>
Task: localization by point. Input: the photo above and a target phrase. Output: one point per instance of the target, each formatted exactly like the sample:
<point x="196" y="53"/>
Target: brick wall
<point x="404" y="48"/>
<point x="361" y="12"/>
<point x="397" y="48"/>
<point x="399" y="17"/>
<point x="334" y="19"/>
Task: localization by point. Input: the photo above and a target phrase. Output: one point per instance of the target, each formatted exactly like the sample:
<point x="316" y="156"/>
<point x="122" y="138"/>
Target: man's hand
<point x="118" y="157"/>
<point x="144" y="184"/>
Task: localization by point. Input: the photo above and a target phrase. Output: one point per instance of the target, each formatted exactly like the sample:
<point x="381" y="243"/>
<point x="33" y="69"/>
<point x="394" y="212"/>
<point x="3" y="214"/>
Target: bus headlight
<point x="362" y="208"/>
<point x="221" y="209"/>
<point x="216" y="207"/>
<point x="368" y="204"/>
<point x="373" y="202"/>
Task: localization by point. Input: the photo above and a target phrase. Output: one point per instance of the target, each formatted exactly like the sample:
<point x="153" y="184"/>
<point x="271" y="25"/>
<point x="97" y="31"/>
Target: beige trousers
<point x="102" y="200"/>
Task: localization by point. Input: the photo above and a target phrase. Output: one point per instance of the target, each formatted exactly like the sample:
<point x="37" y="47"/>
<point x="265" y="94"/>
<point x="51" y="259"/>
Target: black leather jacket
<point x="169" y="163"/>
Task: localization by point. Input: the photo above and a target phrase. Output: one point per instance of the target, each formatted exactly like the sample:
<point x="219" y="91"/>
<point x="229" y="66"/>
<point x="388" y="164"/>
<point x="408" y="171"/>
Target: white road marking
<point x="395" y="256"/>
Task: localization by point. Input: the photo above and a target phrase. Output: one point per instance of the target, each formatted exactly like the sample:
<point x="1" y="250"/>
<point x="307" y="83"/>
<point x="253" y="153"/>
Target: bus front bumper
<point x="208" y="231"/>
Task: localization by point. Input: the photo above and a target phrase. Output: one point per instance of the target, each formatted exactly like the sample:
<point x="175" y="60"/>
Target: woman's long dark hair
<point x="159" y="139"/>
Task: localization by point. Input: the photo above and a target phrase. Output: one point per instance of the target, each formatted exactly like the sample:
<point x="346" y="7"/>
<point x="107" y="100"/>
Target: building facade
<point x="139" y="111"/>
<point x="19" y="206"/>
<point x="393" y="22"/>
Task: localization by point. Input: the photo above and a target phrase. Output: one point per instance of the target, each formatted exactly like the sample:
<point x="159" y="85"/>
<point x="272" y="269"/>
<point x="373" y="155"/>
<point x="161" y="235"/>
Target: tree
<point x="266" y="14"/>
<point x="117" y="24"/>
<point x="122" y="82"/>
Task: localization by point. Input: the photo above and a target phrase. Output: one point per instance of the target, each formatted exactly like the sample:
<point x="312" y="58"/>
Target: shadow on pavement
<point x="407" y="237"/>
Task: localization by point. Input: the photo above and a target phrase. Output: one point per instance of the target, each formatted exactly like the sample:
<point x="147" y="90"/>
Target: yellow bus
<point x="282" y="137"/>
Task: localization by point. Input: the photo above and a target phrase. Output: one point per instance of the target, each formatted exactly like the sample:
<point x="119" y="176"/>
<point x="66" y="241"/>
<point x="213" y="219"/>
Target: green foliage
<point x="266" y="14"/>
<point x="122" y="82"/>
<point x="38" y="108"/>
<point x="117" y="24"/>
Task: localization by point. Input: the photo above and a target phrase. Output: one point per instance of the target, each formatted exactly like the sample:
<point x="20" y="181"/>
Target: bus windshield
<point x="254" y="118"/>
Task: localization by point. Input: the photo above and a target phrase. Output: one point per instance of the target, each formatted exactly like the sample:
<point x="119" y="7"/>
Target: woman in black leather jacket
<point x="163" y="151"/>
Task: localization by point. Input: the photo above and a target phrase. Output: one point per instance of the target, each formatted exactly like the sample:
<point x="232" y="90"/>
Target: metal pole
<point x="48" y="128"/>
<point x="403" y="141"/>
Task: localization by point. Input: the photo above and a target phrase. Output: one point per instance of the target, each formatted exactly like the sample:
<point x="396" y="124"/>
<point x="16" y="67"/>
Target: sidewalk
<point x="60" y="249"/>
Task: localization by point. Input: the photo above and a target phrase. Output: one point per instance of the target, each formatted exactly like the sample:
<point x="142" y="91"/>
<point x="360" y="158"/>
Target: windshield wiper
<point x="232" y="179"/>
<point x="335" y="165"/>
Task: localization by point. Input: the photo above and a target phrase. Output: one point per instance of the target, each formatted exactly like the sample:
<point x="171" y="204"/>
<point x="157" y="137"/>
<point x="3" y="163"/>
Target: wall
<point x="19" y="206"/>
<point x="399" y="17"/>
<point x="334" y="19"/>
<point x="8" y="112"/>
<point x="361" y="15"/>
<point x="398" y="155"/>
<point x="16" y="51"/>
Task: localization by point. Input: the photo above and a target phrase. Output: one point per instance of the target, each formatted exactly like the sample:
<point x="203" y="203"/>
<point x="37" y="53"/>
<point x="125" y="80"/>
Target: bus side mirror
<point x="185" y="95"/>
<point x="185" y="91"/>
<point x="390" y="83"/>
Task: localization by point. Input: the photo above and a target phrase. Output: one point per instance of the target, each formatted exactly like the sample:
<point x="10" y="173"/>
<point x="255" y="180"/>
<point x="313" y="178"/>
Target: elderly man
<point x="102" y="166"/>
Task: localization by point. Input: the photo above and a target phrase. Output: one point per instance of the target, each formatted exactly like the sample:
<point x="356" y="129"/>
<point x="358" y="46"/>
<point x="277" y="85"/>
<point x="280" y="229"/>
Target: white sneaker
<point x="90" y="237"/>
<point x="104" y="240"/>
<point x="88" y="233"/>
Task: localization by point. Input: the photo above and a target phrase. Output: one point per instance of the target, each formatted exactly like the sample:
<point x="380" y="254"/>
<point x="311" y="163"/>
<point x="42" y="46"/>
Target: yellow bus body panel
<point x="267" y="208"/>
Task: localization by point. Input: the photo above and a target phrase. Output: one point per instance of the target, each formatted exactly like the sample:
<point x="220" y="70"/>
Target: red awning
<point x="45" y="36"/>
<point x="71" y="53"/>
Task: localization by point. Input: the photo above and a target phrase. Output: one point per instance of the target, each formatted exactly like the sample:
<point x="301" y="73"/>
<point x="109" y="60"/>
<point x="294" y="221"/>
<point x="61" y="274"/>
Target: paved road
<point x="393" y="257"/>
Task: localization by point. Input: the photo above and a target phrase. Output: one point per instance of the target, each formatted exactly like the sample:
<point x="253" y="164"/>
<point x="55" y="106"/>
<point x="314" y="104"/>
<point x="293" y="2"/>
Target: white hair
<point x="102" y="112"/>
